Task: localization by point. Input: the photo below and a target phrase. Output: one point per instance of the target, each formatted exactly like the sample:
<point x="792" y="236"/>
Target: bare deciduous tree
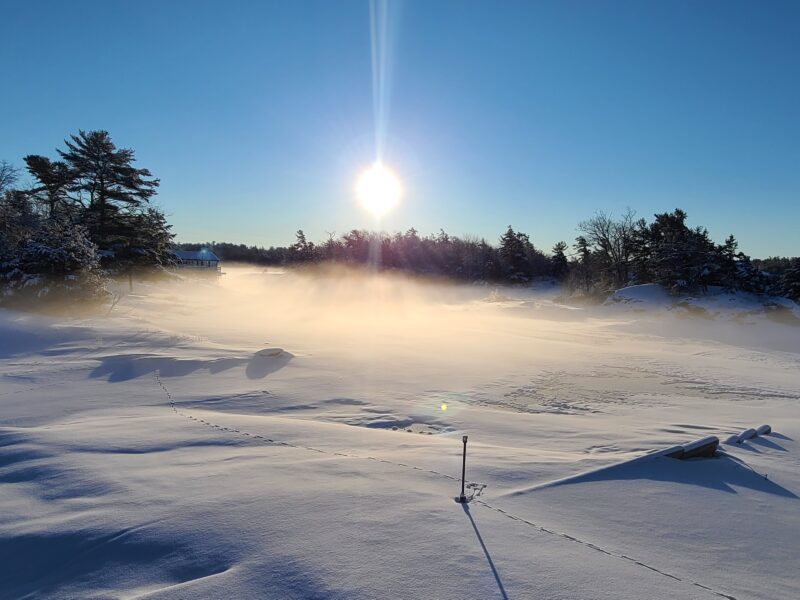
<point x="8" y="175"/>
<point x="613" y="241"/>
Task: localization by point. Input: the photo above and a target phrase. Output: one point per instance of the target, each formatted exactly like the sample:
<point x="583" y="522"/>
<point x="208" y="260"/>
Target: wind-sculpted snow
<point x="298" y="435"/>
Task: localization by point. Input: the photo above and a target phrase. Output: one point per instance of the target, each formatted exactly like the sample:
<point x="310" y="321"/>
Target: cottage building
<point x="196" y="259"/>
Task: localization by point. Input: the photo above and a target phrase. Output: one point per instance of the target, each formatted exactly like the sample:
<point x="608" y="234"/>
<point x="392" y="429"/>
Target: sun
<point x="378" y="189"/>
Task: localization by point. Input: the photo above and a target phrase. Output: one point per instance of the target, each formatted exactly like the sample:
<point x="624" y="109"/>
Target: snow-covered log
<point x="746" y="435"/>
<point x="706" y="446"/>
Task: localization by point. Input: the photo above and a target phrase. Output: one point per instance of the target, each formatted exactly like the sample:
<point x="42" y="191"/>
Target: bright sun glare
<point x="378" y="189"/>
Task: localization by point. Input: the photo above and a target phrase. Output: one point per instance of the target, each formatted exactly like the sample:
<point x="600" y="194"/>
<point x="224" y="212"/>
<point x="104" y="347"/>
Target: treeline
<point x="516" y="260"/>
<point x="608" y="254"/>
<point x="85" y="214"/>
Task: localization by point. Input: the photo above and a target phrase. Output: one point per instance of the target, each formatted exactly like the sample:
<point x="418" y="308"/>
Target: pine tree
<point x="677" y="257"/>
<point x="749" y="278"/>
<point x="54" y="180"/>
<point x="789" y="282"/>
<point x="302" y="250"/>
<point x="559" y="264"/>
<point x="105" y="181"/>
<point x="18" y="222"/>
<point x="143" y="238"/>
<point x="513" y="253"/>
<point x="582" y="276"/>
<point x="728" y="275"/>
<point x="582" y="249"/>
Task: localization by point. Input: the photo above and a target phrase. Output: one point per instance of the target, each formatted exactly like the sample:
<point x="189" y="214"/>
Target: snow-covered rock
<point x="647" y="296"/>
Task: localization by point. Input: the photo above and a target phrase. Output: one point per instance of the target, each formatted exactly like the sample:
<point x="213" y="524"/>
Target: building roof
<point x="196" y="255"/>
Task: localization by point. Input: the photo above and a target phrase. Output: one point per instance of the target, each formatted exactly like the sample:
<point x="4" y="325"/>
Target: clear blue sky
<point x="258" y="116"/>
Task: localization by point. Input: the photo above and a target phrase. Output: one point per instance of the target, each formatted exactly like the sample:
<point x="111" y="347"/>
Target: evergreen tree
<point x="582" y="250"/>
<point x="559" y="264"/>
<point x="489" y="262"/>
<point x="789" y="282"/>
<point x="58" y="248"/>
<point x="728" y="272"/>
<point x="54" y="180"/>
<point x="143" y="238"/>
<point x="302" y="250"/>
<point x="641" y="253"/>
<point x="58" y="262"/>
<point x="105" y="181"/>
<point x="332" y="248"/>
<point x="749" y="278"/>
<point x="678" y="257"/>
<point x="410" y="251"/>
<point x="513" y="253"/>
<point x="582" y="276"/>
<point x="18" y="222"/>
<point x="356" y="246"/>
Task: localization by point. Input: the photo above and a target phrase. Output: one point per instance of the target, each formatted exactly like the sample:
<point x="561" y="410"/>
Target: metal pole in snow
<point x="463" y="497"/>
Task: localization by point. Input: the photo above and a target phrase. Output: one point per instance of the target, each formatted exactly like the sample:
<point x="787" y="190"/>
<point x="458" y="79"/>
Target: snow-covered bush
<point x="58" y="262"/>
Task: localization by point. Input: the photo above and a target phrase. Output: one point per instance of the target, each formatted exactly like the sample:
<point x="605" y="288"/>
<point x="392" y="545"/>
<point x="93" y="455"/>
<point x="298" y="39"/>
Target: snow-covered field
<point x="279" y="435"/>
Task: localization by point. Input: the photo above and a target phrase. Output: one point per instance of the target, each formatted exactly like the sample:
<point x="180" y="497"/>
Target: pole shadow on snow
<point x="503" y="593"/>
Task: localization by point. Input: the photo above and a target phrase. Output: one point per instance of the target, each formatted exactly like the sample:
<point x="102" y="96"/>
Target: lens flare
<point x="378" y="189"/>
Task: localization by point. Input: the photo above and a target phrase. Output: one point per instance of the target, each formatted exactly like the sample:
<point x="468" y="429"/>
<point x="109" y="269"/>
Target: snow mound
<point x="271" y="352"/>
<point x="714" y="303"/>
<point x="724" y="472"/>
<point x="648" y="295"/>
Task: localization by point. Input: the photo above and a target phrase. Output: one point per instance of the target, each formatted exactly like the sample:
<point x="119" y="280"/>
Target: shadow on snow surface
<point x="123" y="367"/>
<point x="723" y="472"/>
